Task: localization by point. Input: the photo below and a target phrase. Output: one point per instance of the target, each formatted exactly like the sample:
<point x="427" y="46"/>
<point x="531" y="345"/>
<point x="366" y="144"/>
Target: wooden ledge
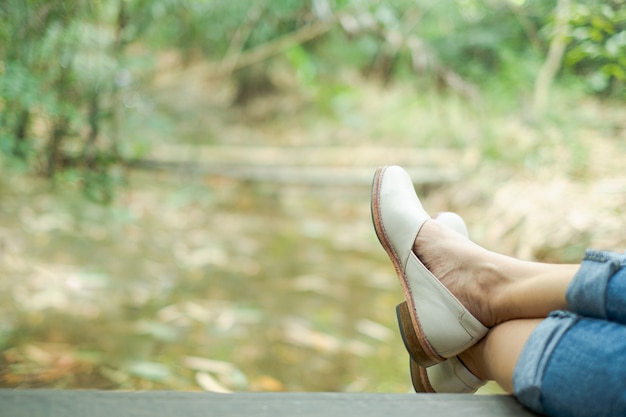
<point x="53" y="403"/>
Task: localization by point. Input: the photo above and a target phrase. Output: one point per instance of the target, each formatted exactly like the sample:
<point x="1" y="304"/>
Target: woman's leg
<point x="564" y="365"/>
<point x="495" y="288"/>
<point x="494" y="357"/>
<point x="567" y="364"/>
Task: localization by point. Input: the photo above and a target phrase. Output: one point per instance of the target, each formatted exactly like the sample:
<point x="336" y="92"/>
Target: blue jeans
<point x="574" y="363"/>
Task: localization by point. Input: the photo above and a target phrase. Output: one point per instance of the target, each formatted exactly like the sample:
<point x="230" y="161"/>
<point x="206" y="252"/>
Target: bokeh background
<point x="184" y="188"/>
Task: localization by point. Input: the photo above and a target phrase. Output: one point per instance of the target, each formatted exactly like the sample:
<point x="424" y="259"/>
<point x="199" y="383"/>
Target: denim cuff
<point x="533" y="361"/>
<point x="586" y="295"/>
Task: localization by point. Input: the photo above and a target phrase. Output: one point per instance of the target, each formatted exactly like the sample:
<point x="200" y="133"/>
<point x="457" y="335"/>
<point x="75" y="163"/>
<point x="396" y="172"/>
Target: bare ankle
<point x="463" y="267"/>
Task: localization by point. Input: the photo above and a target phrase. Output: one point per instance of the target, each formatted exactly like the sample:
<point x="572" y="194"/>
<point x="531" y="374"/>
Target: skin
<point x="494" y="357"/>
<point x="509" y="295"/>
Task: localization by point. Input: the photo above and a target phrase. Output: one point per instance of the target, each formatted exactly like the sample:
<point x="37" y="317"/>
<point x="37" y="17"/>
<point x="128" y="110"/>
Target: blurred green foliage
<point x="598" y="45"/>
<point x="72" y="72"/>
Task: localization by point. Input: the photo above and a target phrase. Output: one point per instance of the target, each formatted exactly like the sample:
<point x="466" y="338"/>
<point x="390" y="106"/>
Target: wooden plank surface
<point x="53" y="403"/>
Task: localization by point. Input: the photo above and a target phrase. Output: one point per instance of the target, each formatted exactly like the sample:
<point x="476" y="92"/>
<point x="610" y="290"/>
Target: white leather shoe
<point x="451" y="375"/>
<point x="453" y="221"/>
<point x="442" y="325"/>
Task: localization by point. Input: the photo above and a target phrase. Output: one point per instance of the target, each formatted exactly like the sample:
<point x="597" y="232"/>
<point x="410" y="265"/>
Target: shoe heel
<point x="410" y="339"/>
<point x="419" y="378"/>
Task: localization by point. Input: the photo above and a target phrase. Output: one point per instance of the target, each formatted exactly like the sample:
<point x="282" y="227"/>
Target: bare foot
<point x="465" y="268"/>
<point x="495" y="288"/>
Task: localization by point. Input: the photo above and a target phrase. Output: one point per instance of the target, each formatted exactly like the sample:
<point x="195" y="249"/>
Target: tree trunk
<point x="89" y="150"/>
<point x="553" y="61"/>
<point x="21" y="130"/>
<point x="54" y="144"/>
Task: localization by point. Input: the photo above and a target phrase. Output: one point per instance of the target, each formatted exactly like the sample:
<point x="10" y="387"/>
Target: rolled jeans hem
<point x="535" y="357"/>
<point x="587" y="293"/>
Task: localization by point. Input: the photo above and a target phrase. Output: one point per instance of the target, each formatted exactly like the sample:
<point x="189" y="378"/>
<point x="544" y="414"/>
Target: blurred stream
<point x="197" y="283"/>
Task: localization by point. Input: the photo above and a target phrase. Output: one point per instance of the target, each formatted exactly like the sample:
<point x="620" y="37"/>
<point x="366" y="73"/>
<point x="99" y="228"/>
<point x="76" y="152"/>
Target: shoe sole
<point x="419" y="377"/>
<point x="421" y="350"/>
